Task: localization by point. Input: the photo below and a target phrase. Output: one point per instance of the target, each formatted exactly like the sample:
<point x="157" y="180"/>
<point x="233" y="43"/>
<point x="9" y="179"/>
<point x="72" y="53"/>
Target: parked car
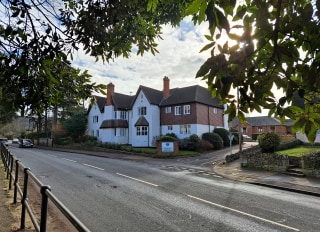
<point x="15" y="140"/>
<point x="26" y="143"/>
<point x="4" y="141"/>
<point x="246" y="137"/>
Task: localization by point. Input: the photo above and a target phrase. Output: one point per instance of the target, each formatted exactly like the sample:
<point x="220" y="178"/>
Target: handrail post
<point x="44" y="208"/>
<point x="11" y="169"/>
<point x="16" y="179"/>
<point x="24" y="199"/>
<point x="8" y="157"/>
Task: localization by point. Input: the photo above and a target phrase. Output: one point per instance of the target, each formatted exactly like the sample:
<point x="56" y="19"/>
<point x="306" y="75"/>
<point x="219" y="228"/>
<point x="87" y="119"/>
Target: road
<point x="165" y="195"/>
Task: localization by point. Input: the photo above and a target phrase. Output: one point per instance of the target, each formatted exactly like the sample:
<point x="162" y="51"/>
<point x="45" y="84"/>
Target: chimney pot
<point x="166" y="87"/>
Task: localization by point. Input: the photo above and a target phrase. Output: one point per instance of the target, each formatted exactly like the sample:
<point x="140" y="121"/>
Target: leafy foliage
<point x="76" y="123"/>
<point x="224" y="134"/>
<point x="256" y="46"/>
<point x="214" y="139"/>
<point x="269" y="142"/>
<point x="270" y="44"/>
<point x="168" y="138"/>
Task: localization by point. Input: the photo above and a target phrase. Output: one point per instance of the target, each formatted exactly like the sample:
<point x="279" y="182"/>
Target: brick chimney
<point x="110" y="91"/>
<point x="166" y="87"/>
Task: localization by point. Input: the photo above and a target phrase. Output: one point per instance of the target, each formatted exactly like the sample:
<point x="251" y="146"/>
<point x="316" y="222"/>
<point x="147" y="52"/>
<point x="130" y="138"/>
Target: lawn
<point x="298" y="151"/>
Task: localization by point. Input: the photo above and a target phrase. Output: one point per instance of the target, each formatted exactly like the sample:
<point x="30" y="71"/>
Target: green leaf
<point x="194" y="7"/>
<point x="208" y="46"/>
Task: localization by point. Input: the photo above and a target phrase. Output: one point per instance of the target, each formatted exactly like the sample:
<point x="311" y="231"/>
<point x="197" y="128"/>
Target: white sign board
<point x="167" y="147"/>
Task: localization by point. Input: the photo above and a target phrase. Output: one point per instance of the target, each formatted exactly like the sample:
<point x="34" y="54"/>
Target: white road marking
<point x="244" y="213"/>
<point x="91" y="166"/>
<point x="137" y="179"/>
<point x="69" y="160"/>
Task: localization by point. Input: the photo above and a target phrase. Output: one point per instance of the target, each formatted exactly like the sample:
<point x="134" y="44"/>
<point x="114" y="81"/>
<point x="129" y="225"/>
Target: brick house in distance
<point x="262" y="124"/>
<point x="140" y="119"/>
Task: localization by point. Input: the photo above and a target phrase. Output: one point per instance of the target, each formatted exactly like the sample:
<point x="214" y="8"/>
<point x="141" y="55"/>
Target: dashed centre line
<point x="69" y="160"/>
<point x="244" y="213"/>
<point x="132" y="178"/>
<point x="91" y="166"/>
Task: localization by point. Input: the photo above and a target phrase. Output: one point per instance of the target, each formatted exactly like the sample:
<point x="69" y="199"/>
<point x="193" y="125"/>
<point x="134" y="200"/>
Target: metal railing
<point x="12" y="167"/>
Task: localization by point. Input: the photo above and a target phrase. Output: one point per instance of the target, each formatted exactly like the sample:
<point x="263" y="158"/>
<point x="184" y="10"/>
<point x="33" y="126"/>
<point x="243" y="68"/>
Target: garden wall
<point x="266" y="161"/>
<point x="311" y="165"/>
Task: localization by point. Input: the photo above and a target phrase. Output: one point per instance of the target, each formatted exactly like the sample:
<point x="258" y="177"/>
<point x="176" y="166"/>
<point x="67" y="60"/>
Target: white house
<point x="140" y="119"/>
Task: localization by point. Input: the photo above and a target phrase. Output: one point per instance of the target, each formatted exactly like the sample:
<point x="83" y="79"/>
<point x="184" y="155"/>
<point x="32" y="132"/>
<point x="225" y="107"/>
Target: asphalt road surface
<point x="165" y="195"/>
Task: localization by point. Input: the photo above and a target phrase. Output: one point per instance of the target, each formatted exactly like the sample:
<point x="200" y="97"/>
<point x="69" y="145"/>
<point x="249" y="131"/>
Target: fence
<point x="12" y="167"/>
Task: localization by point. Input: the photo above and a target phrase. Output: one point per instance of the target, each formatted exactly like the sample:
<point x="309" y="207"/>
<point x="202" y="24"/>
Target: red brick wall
<point x="199" y="114"/>
<point x="280" y="129"/>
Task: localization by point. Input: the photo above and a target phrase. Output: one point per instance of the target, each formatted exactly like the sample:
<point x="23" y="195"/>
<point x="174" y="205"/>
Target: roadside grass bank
<point x="299" y="151"/>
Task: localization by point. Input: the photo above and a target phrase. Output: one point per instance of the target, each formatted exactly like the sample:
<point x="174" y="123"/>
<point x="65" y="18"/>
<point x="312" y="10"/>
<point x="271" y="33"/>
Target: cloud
<point x="178" y="58"/>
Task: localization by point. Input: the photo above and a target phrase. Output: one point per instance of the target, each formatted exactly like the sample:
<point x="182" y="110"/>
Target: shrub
<point x="269" y="142"/>
<point x="172" y="135"/>
<point x="224" y="134"/>
<point x="183" y="143"/>
<point x="167" y="138"/>
<point x="206" y="145"/>
<point x="290" y="144"/>
<point x="194" y="143"/>
<point x="214" y="139"/>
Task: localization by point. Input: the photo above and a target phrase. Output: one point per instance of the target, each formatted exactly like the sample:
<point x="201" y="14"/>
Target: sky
<point x="179" y="58"/>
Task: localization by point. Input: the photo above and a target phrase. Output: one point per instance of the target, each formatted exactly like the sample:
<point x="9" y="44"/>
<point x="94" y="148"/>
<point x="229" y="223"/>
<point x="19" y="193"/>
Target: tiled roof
<point x="142" y="121"/>
<point x="122" y="101"/>
<point x="101" y="101"/>
<point x="154" y="96"/>
<point x="261" y="121"/>
<point x="114" y="123"/>
<point x="191" y="94"/>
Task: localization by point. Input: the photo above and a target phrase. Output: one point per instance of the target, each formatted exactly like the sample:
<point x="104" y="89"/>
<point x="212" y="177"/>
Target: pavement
<point x="233" y="171"/>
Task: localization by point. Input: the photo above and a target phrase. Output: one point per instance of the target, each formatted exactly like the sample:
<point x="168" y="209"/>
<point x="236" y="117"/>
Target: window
<point x="120" y="115"/>
<point x="177" y="110"/>
<point x="97" y="133"/>
<point x="244" y="130"/>
<point x="95" y="119"/>
<point x="122" y="131"/>
<point x="272" y="128"/>
<point x="260" y="129"/>
<point x="186" y="109"/>
<point x="123" y="115"/>
<point x="185" y="129"/>
<point x="168" y="110"/>
<point x="142" y="130"/>
<point x="170" y="127"/>
<point x="215" y="110"/>
<point x="142" y="110"/>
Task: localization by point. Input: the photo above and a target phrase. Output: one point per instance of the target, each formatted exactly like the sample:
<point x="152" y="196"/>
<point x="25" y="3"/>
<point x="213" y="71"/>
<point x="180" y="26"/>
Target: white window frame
<point x="141" y="130"/>
<point x="122" y="132"/>
<point x="142" y="110"/>
<point x="215" y="110"/>
<point x="95" y="119"/>
<point x="177" y="110"/>
<point x="168" y="110"/>
<point x="185" y="129"/>
<point x="186" y="109"/>
<point x="170" y="127"/>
